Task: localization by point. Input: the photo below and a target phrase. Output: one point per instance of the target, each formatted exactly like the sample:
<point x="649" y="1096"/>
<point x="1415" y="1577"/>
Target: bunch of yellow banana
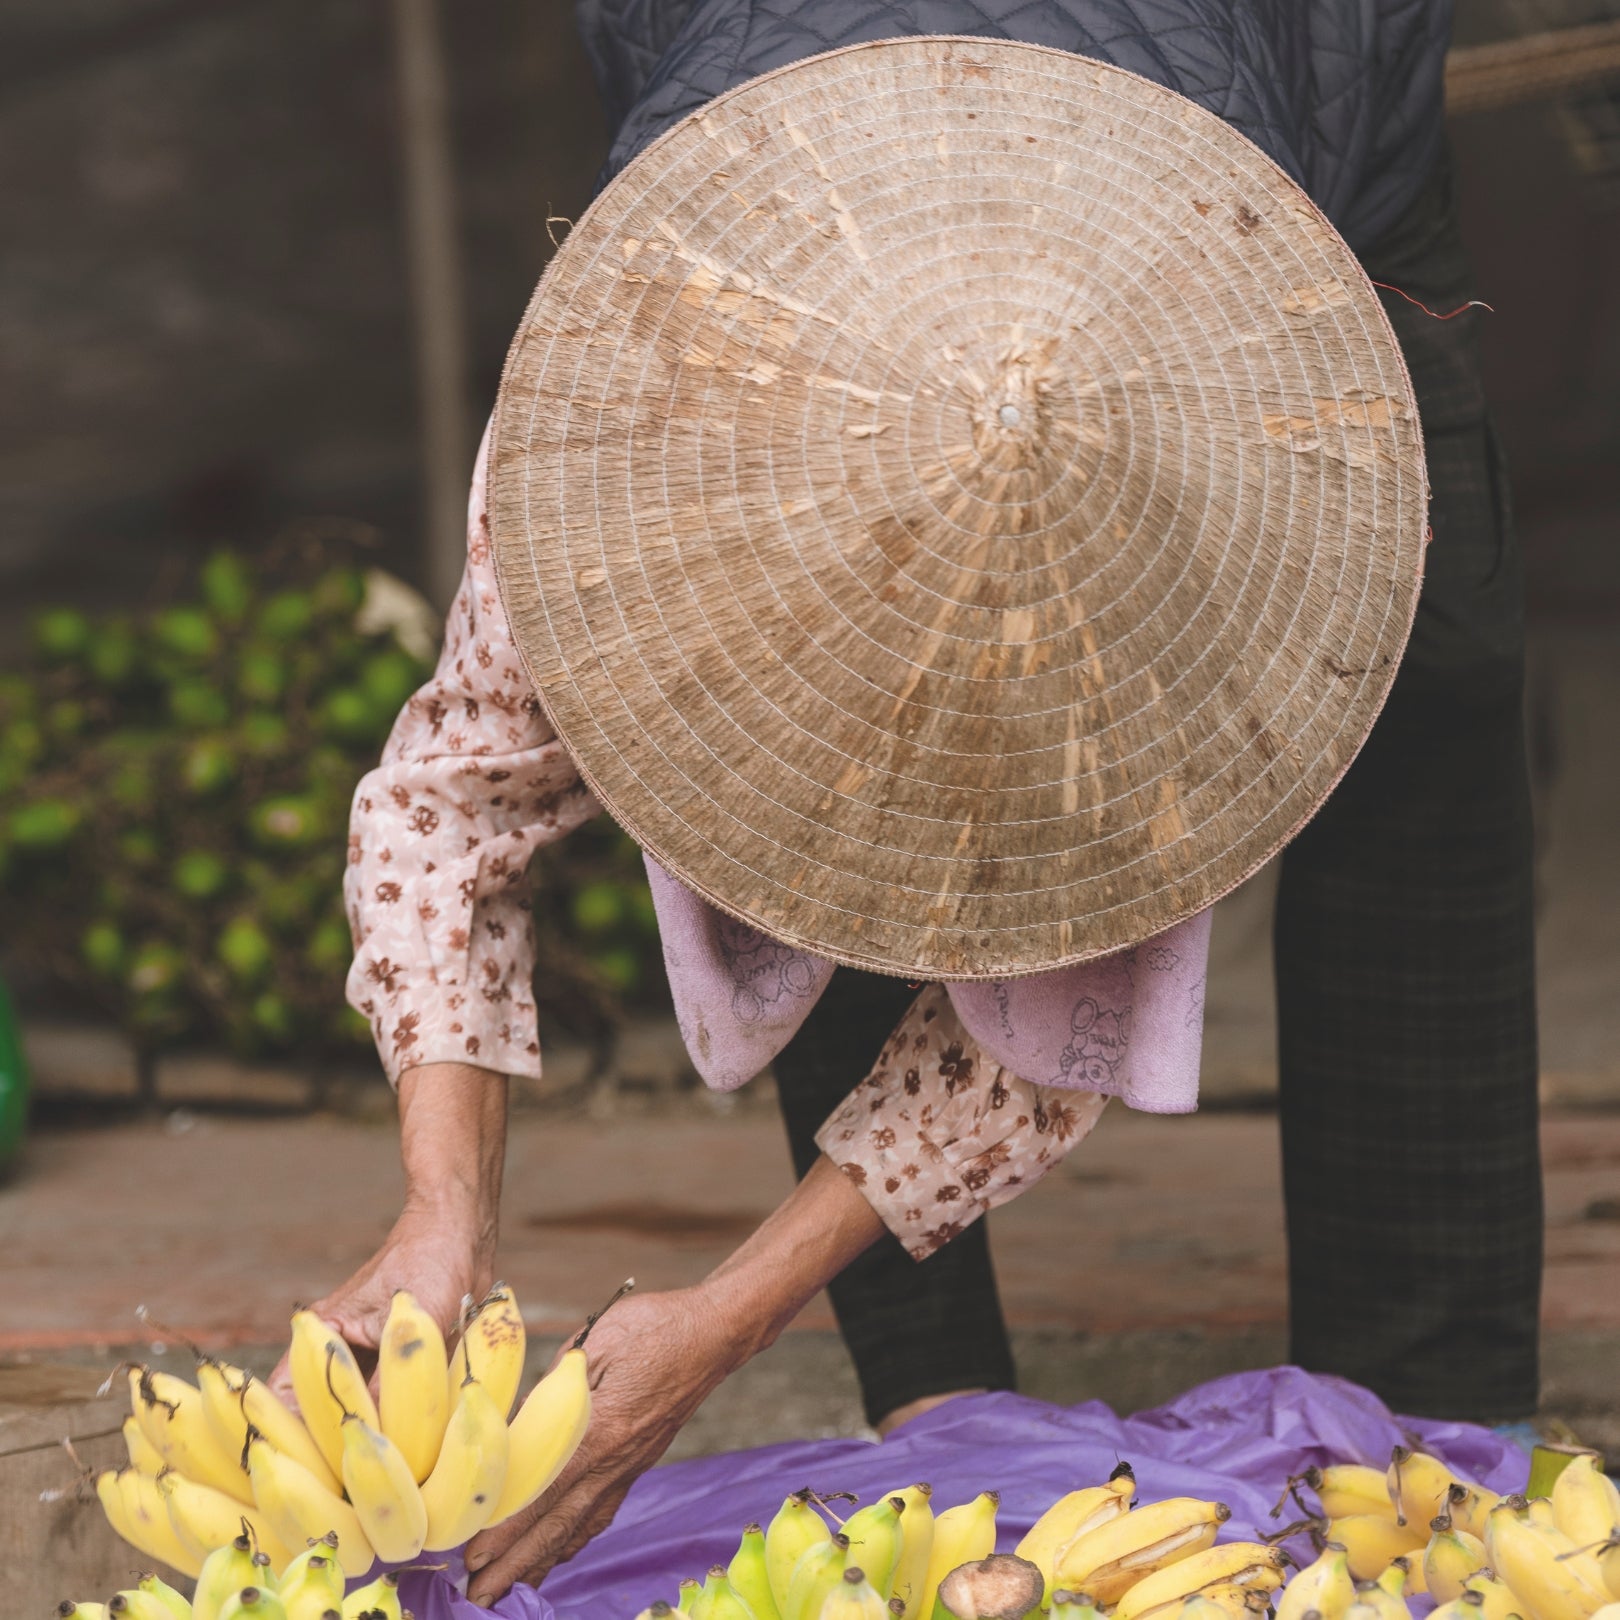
<point x="1089" y="1553"/>
<point x="1415" y="1528"/>
<point x="424" y="1467"/>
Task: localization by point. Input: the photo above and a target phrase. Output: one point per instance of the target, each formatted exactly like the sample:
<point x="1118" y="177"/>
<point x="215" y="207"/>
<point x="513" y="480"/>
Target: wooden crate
<point x="53" y="1550"/>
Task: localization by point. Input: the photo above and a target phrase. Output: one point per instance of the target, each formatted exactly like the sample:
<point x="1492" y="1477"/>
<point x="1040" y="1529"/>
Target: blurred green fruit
<point x="103" y="949"/>
<point x="155" y="969"/>
<point x="23" y="741"/>
<point x="227" y="586"/>
<point x="139" y="847"/>
<point x="62" y="634"/>
<point x="114" y="653"/>
<point x="186" y="632"/>
<point x="338" y="593"/>
<point x="208" y="766"/>
<point x="598" y="907"/>
<point x="261" y="676"/>
<point x="199" y="874"/>
<point x="198" y="705"/>
<point x="18" y="697"/>
<point x="245" y="949"/>
<point x="288" y="822"/>
<point x="389" y="678"/>
<point x="132" y="785"/>
<point x="290" y="904"/>
<point x="273" y="1017"/>
<point x="66" y="718"/>
<point x="618" y="968"/>
<point x="286" y="616"/>
<point x="349" y="714"/>
<point x="263" y="734"/>
<point x="330" y="948"/>
<point x="46" y="824"/>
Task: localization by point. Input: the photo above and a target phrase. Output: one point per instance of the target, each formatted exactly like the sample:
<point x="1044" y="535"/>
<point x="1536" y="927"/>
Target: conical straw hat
<point x="960" y="503"/>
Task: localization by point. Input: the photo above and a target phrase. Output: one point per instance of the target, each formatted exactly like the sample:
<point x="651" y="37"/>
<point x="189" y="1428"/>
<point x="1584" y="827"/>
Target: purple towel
<point x="1128" y="1025"/>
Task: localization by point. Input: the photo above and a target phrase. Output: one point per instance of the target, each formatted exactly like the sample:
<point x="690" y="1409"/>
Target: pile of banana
<point x="1091" y="1552"/>
<point x="236" y="1583"/>
<point x="424" y="1467"/>
<point x="1415" y="1529"/>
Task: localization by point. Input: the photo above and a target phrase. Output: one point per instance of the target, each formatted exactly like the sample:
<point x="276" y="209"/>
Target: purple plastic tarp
<point x="1235" y="1439"/>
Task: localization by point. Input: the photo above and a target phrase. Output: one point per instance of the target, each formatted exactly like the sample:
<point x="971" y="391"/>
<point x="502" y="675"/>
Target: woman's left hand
<point x="653" y="1360"/>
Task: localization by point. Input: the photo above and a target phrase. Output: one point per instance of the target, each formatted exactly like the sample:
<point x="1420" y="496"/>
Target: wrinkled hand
<point x="439" y="1262"/>
<point x="653" y="1359"/>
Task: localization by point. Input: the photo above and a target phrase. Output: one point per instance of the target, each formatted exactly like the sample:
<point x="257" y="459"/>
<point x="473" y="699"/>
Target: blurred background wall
<point x="206" y="331"/>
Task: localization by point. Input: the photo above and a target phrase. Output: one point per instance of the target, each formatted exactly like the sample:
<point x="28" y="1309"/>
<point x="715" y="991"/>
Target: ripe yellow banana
<point x="916" y="1544"/>
<point x="1072" y="1516"/>
<point x="311" y="1584"/>
<point x="67" y="1609"/>
<point x="1324" y="1586"/>
<point x="748" y="1575"/>
<point x="1361" y="1610"/>
<point x="220" y="1386"/>
<point x="495" y="1342"/>
<point x="1372" y="1541"/>
<point x="1608" y="1558"/>
<point x="853" y="1598"/>
<point x="1542" y="1566"/>
<point x="328" y="1383"/>
<point x="875" y="1535"/>
<point x="253" y="1603"/>
<point x="300" y="1509"/>
<point x="381" y="1597"/>
<point x="796" y="1528"/>
<point x="721" y="1602"/>
<point x="1387" y="1605"/>
<point x="1419" y="1486"/>
<point x="960" y="1535"/>
<point x="1108" y="1561"/>
<point x="1236" y="1563"/>
<point x="226" y="1570"/>
<point x="151" y="1586"/>
<point x="1496" y="1600"/>
<point x="1346" y="1488"/>
<point x="463" y="1491"/>
<point x="385" y="1497"/>
<point x="546" y="1432"/>
<point x="141" y="1517"/>
<point x="142" y="1453"/>
<point x="413" y="1400"/>
<point x="134" y="1604"/>
<point x="1450" y="1558"/>
<point x="1585" y="1503"/>
<point x="819" y="1569"/>
<point x="205" y="1519"/>
<point x="1237" y="1602"/>
<point x="1199" y="1607"/>
<point x="170" y="1414"/>
<point x="1470" y="1506"/>
<point x="1397" y="1578"/>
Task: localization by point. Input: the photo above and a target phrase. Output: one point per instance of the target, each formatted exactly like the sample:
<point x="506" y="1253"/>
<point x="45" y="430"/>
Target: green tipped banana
<point x="749" y="1577"/>
<point x="875" y="1536"/>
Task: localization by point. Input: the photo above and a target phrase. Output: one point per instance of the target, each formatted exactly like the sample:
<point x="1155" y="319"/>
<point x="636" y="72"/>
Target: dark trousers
<point x="1405" y="986"/>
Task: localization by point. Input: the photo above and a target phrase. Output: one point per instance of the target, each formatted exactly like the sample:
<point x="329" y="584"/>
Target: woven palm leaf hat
<point x="960" y="503"/>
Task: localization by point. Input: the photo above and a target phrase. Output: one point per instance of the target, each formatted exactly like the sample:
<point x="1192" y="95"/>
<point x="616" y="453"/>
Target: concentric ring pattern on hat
<point x="960" y="503"/>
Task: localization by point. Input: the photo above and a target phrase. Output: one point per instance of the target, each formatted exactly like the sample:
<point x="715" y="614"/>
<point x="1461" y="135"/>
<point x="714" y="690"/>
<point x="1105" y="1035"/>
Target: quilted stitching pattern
<point x="1345" y="94"/>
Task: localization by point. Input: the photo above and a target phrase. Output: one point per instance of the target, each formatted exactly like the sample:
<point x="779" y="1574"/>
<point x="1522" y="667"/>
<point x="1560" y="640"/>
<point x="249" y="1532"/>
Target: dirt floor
<point x="1153" y="1259"/>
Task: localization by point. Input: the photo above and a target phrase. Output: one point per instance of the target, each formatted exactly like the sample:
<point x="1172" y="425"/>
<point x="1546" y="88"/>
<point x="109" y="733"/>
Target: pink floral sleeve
<point x="939" y="1133"/>
<point x="472" y="782"/>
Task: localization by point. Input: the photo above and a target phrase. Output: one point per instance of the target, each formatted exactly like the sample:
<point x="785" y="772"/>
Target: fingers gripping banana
<point x="1325" y="1587"/>
<point x="796" y="1528"/>
<point x="301" y="1509"/>
<point x="413" y="1399"/>
<point x="1108" y="1561"/>
<point x="916" y="1545"/>
<point x="462" y="1493"/>
<point x="1241" y="1563"/>
<point x="961" y="1535"/>
<point x="875" y="1536"/>
<point x="1072" y="1516"/>
<point x="495" y="1342"/>
<point x="328" y="1384"/>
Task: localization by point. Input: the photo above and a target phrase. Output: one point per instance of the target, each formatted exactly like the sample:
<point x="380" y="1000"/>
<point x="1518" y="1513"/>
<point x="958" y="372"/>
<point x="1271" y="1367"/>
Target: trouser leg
<point x="912" y="1328"/>
<point x="1405" y="955"/>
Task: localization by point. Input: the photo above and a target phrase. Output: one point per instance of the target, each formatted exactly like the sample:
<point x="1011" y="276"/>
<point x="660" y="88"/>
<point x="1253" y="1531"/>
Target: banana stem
<point x="1397" y="1456"/>
<point x="331" y="1388"/>
<point x="624" y="1288"/>
<point x="146" y="1319"/>
<point x="823" y="1502"/>
<point x="1608" y="1542"/>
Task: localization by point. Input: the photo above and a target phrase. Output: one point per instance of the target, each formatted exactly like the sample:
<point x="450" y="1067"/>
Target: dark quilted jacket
<point x="1345" y="94"/>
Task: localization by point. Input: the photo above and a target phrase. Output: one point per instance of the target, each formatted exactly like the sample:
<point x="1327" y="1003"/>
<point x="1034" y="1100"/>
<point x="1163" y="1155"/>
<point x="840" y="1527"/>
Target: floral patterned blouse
<point x="474" y="780"/>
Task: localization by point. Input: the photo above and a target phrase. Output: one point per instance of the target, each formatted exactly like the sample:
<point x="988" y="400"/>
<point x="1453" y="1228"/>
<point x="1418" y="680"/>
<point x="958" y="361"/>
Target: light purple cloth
<point x="1128" y="1025"/>
<point x="1236" y="1440"/>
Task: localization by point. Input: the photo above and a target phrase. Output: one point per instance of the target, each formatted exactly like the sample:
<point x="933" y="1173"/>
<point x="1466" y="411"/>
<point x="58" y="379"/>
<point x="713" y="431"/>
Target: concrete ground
<point x="1152" y="1259"/>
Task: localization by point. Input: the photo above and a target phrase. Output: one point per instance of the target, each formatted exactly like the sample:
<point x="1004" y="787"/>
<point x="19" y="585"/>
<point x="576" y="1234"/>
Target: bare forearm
<point x="452" y="1125"/>
<point x="811" y="1236"/>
